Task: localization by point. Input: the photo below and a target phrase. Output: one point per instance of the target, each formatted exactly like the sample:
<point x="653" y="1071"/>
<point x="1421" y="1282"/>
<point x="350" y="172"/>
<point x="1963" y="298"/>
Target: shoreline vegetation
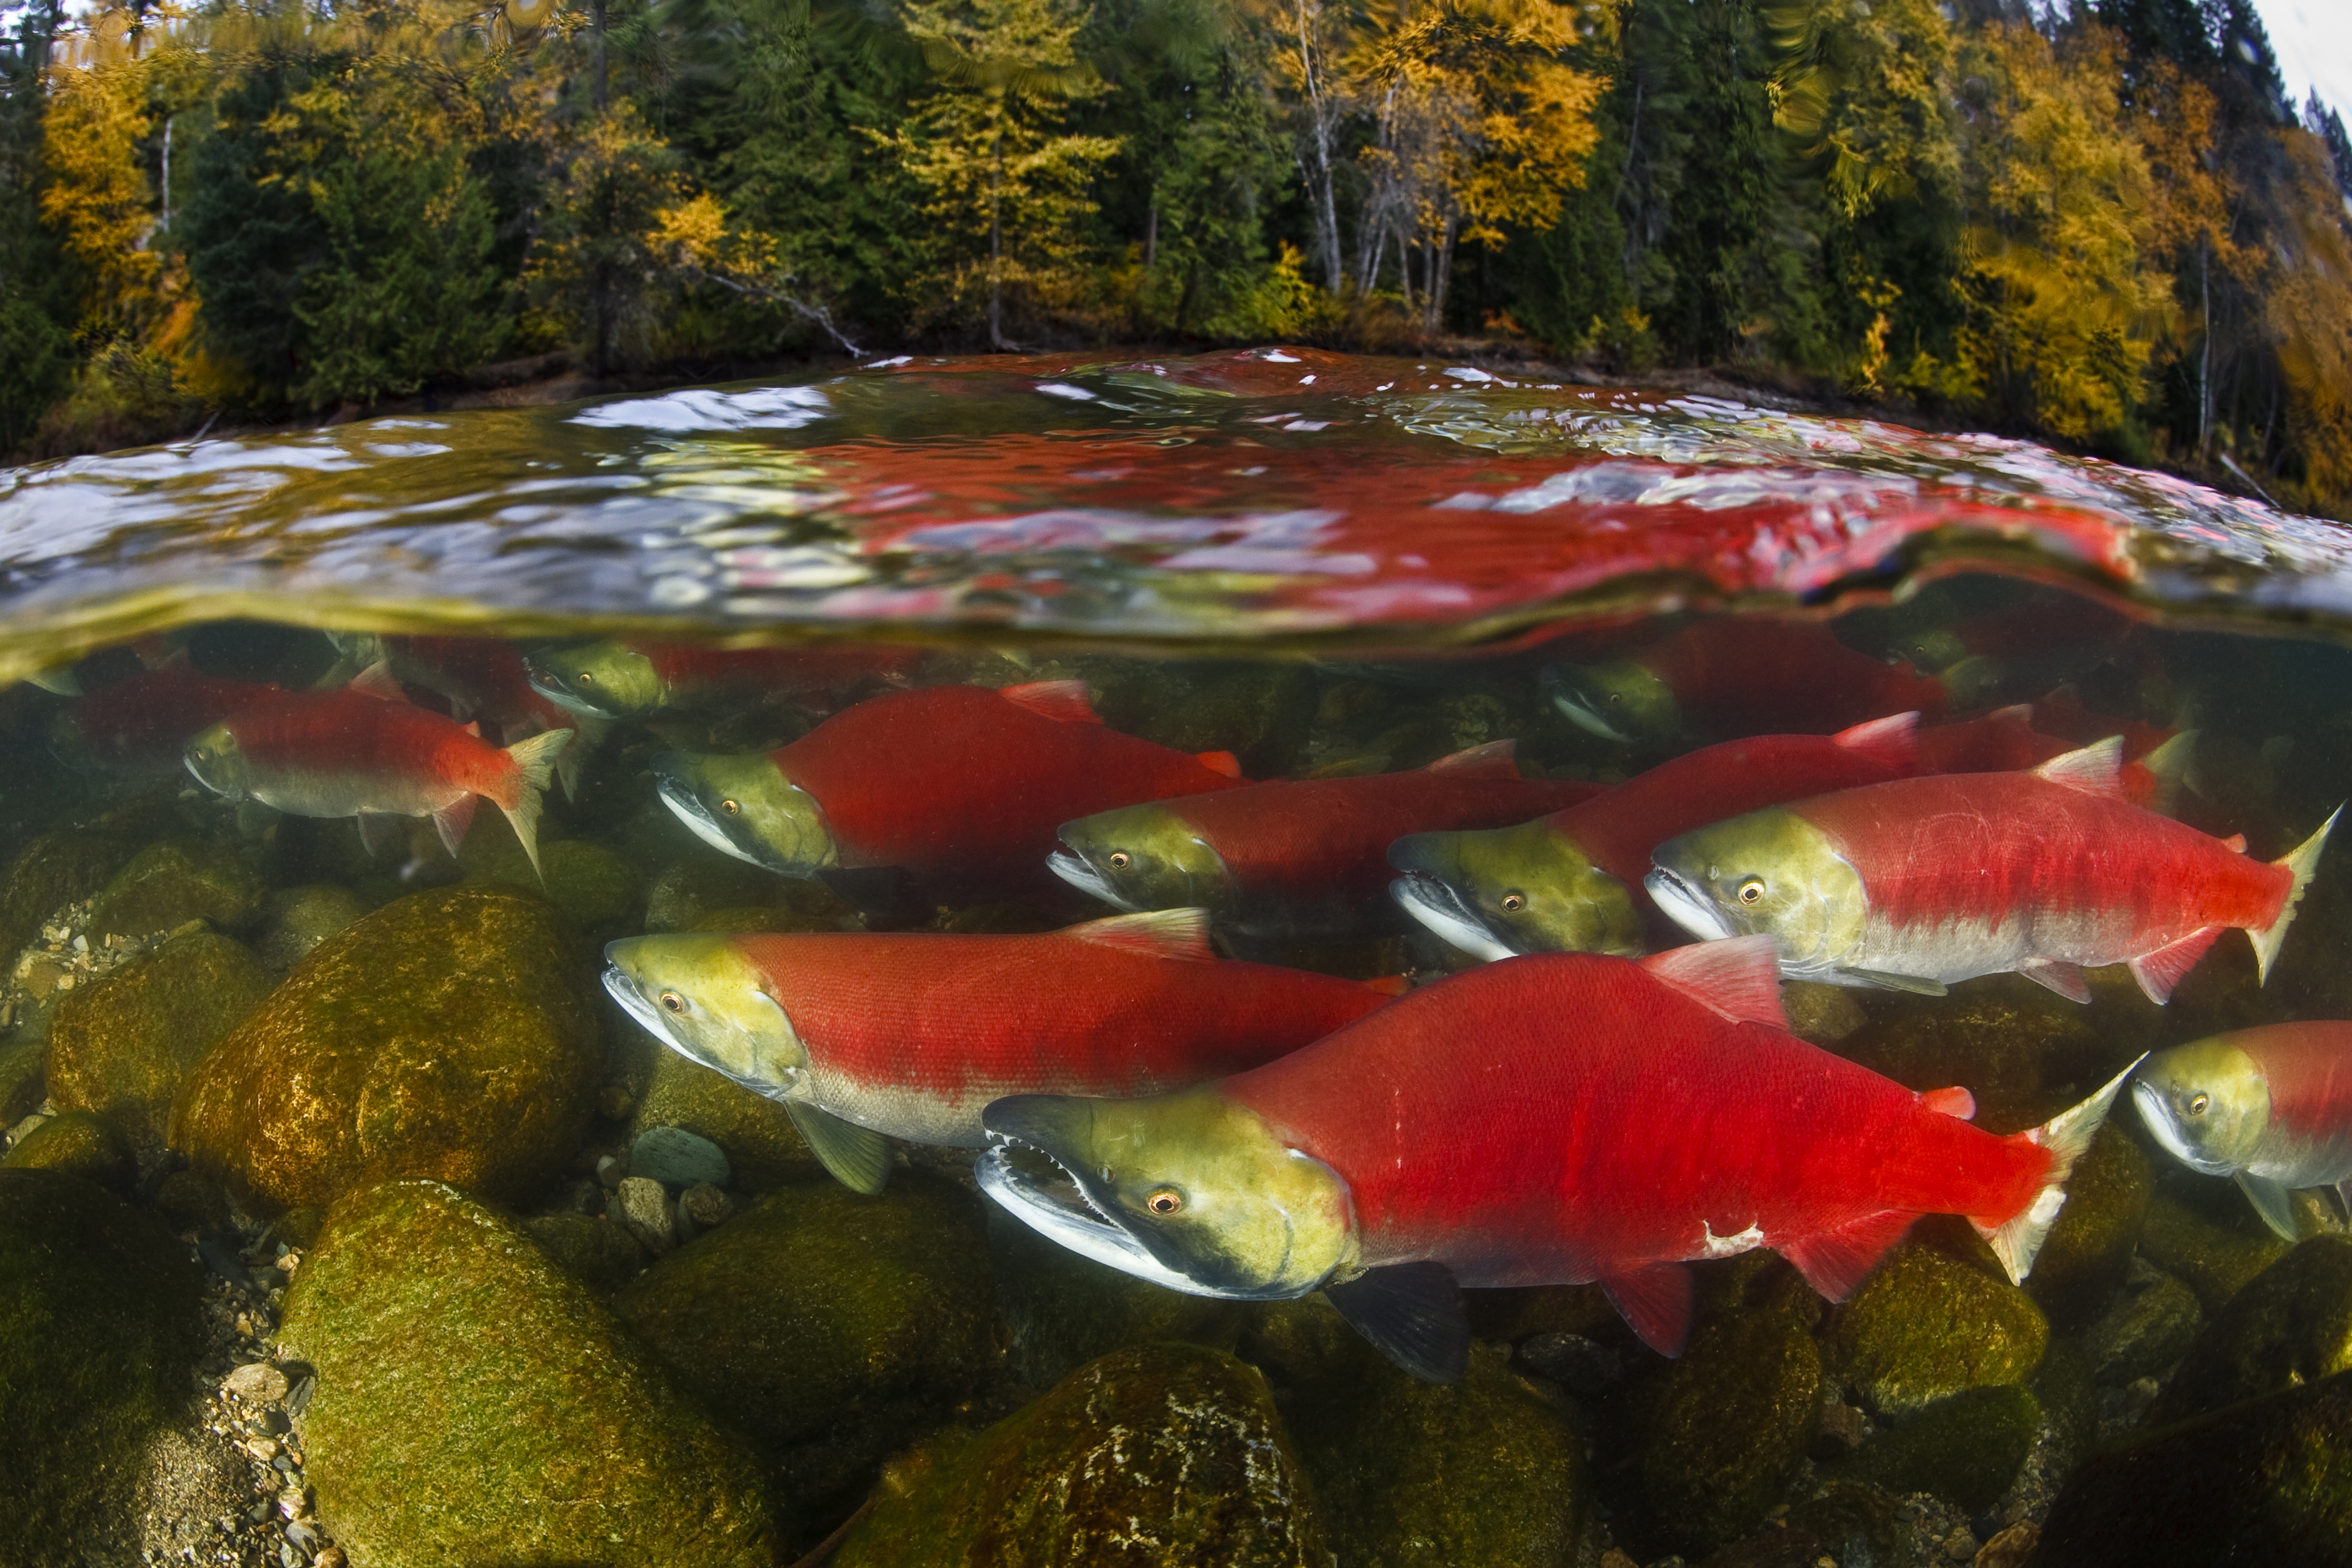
<point x="2098" y="224"/>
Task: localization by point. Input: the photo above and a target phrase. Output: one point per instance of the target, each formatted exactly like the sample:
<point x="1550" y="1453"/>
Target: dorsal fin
<point x="2016" y="712"/>
<point x="1495" y="760"/>
<point x="176" y="659"/>
<point x="376" y="681"/>
<point x="1955" y="1101"/>
<point x="1063" y="701"/>
<point x="1224" y="763"/>
<point x="1739" y="977"/>
<point x="2235" y="844"/>
<point x="2095" y="769"/>
<point x="1892" y="742"/>
<point x="1160" y="933"/>
<point x="472" y="727"/>
<point x="1388" y="985"/>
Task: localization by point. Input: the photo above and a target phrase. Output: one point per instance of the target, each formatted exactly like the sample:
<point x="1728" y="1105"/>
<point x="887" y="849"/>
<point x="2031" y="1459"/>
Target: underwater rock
<point x="189" y="1202"/>
<point x="298" y="918"/>
<point x="831" y="1326"/>
<point x="1257" y="709"/>
<point x="677" y="1159"/>
<point x="641" y="1203"/>
<point x="54" y="870"/>
<point x="447" y="1035"/>
<point x="476" y="1404"/>
<point x="592" y="890"/>
<point x="1409" y="1474"/>
<point x="1061" y="1310"/>
<point x="760" y="917"/>
<point x="1821" y="1013"/>
<point x="684" y="893"/>
<point x="2146" y="1331"/>
<point x="599" y="1253"/>
<point x="1728" y="1424"/>
<point x="99" y="1324"/>
<point x="169" y="883"/>
<point x="1925" y="1326"/>
<point x="764" y="1150"/>
<point x="2214" y="1256"/>
<point x="2289" y="1326"/>
<point x="1965" y="1449"/>
<point x="2090" y="1246"/>
<point x="1163" y="1456"/>
<point x="122" y="1045"/>
<point x="2265" y="1480"/>
<point x="24" y="1065"/>
<point x="80" y="1145"/>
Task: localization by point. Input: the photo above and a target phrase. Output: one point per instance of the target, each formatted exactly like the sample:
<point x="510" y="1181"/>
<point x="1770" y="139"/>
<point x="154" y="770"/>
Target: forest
<point x="2100" y="223"/>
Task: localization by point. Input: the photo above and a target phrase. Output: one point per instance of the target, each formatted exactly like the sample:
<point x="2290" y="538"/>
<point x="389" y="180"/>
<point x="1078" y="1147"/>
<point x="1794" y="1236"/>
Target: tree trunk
<point x="1327" y="207"/>
<point x="2205" y="354"/>
<point x="1152" y="238"/>
<point x="597" y="16"/>
<point x="996" y="238"/>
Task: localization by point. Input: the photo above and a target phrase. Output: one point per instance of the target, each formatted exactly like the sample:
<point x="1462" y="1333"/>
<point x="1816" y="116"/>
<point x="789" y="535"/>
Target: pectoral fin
<point x="1411" y="1312"/>
<point x="1884" y="980"/>
<point x="1656" y="1301"/>
<point x="858" y="1157"/>
<point x="2270" y="1201"/>
<point x="1835" y="1261"/>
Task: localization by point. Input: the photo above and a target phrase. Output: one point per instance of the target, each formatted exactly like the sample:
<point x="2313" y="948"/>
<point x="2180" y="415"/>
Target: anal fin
<point x="1835" y="1261"/>
<point x="375" y="827"/>
<point x="2158" y="972"/>
<point x="452" y="820"/>
<point x="1412" y="1313"/>
<point x="2270" y="1201"/>
<point x="1656" y="1302"/>
<point x="2065" y="979"/>
<point x="858" y="1157"/>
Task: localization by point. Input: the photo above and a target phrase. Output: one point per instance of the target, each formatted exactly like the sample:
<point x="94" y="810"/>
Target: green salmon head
<point x="1528" y="889"/>
<point x="1618" y="700"/>
<point x="2206" y="1102"/>
<point x="1143" y="857"/>
<point x="596" y="680"/>
<point x="217" y="762"/>
<point x="1187" y="1190"/>
<point x="1770" y="873"/>
<point x="747" y="809"/>
<point x="702" y="998"/>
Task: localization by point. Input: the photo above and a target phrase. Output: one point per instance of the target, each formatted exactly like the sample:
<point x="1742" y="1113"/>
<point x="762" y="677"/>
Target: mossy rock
<point x="1925" y="1326"/>
<point x="832" y="1326"/>
<point x="53" y="870"/>
<point x="2265" y="1480"/>
<point x="2146" y="1332"/>
<point x="760" y="918"/>
<point x="23" y="1079"/>
<point x="80" y="1145"/>
<point x="599" y="1253"/>
<point x="1727" y="1426"/>
<point x="1519" y="1312"/>
<point x="1258" y="709"/>
<point x="99" y="1324"/>
<point x="762" y="1147"/>
<point x="298" y="918"/>
<point x="2082" y="1259"/>
<point x="704" y="881"/>
<point x="477" y="1404"/>
<point x="449" y="1034"/>
<point x="592" y="890"/>
<point x="1160" y="1456"/>
<point x="123" y="1046"/>
<point x="1965" y="1449"/>
<point x="2289" y="1326"/>
<point x="1061" y="1310"/>
<point x="2214" y="1254"/>
<point x="168" y="884"/>
<point x="1411" y="1475"/>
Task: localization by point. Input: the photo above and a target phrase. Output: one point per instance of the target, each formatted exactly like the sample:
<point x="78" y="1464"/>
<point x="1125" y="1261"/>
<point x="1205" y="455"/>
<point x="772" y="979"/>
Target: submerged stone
<point x="1728" y="1426"/>
<point x="599" y="1253"/>
<point x="677" y="1159"/>
<point x="24" y="1065"/>
<point x="168" y="884"/>
<point x="2146" y="1332"/>
<point x="123" y="1046"/>
<point x="1925" y="1326"/>
<point x="2213" y="1254"/>
<point x="592" y="890"/>
<point x="53" y="870"/>
<point x="300" y="919"/>
<point x="2289" y="1326"/>
<point x="99" y="1324"/>
<point x="1162" y="1456"/>
<point x="476" y="1404"/>
<point x="764" y="1150"/>
<point x="1061" y="1310"/>
<point x="832" y="1326"/>
<point x="80" y="1145"/>
<point x="1967" y="1450"/>
<point x="447" y="1035"/>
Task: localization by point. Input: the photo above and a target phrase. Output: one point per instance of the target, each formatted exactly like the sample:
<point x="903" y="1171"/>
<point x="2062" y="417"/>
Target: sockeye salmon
<point x="1545" y="1120"/>
<point x="141" y="724"/>
<point x="632" y="680"/>
<point x="954" y="784"/>
<point x="484" y="678"/>
<point x="1571" y="881"/>
<point x="2005" y="741"/>
<point x="1294" y="858"/>
<point x="1733" y="676"/>
<point x="2270" y="1106"/>
<point x="862" y="1035"/>
<point x="365" y="751"/>
<point x="1918" y="883"/>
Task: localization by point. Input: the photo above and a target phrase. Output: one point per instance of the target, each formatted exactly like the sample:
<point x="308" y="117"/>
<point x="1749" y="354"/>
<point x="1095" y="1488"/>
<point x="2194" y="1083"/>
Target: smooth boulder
<point x="123" y="1046"/>
<point x="1926" y="1325"/>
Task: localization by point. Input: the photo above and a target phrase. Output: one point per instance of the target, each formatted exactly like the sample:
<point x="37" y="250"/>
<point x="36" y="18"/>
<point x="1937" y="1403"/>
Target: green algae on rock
<point x="831" y="1326"/>
<point x="2213" y="1255"/>
<point x="599" y="1252"/>
<point x="1727" y="1426"/>
<point x="1925" y="1326"/>
<point x="1414" y="1475"/>
<point x="449" y="1034"/>
<point x="2288" y="1326"/>
<point x="590" y="887"/>
<point x="123" y="1046"/>
<point x="1163" y="1456"/>
<point x="2085" y="1256"/>
<point x="2149" y="1327"/>
<point x="98" y="1326"/>
<point x="24" y="1068"/>
<point x="80" y="1145"/>
<point x="1061" y="1309"/>
<point x="476" y="1404"/>
<point x="297" y="920"/>
<point x="169" y="883"/>
<point x="762" y="1147"/>
<point x="53" y="870"/>
<point x="1967" y="1448"/>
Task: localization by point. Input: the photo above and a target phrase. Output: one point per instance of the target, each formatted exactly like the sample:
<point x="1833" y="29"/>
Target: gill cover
<point x="2206" y="1102"/>
<point x="1770" y="873"/>
<point x="1143" y="857"/>
<point x="745" y="807"/>
<point x="1528" y="889"/>
<point x="596" y="680"/>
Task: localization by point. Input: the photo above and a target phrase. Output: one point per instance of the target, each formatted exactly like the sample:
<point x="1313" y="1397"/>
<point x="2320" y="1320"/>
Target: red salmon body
<point x="380" y="754"/>
<point x="1759" y="676"/>
<point x="697" y="675"/>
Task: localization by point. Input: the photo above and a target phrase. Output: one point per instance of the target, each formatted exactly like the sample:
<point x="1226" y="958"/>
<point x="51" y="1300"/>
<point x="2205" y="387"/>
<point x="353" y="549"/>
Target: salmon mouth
<point x="1435" y="904"/>
<point x="1058" y="1202"/>
<point x="1685" y="905"/>
<point x="557" y="690"/>
<point x="1579" y="709"/>
<point x="1074" y="869"/>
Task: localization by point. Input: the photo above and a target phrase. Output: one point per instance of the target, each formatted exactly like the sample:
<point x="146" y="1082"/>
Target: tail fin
<point x="2300" y="862"/>
<point x="536" y="758"/>
<point x="2066" y="1135"/>
<point x="2173" y="764"/>
<point x="573" y="761"/>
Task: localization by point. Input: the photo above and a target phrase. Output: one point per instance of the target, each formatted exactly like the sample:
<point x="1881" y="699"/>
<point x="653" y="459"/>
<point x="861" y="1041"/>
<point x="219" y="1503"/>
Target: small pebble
<point x="265" y="1449"/>
<point x="2012" y="1547"/>
<point x="705" y="1205"/>
<point x="613" y="1102"/>
<point x="256" y="1380"/>
<point x="1960" y="1546"/>
<point x="608" y="1171"/>
<point x="640" y="1204"/>
<point x="330" y="1557"/>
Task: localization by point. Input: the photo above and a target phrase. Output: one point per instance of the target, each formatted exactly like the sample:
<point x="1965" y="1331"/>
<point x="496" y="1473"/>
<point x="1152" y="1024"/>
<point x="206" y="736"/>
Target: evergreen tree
<point x="36" y="304"/>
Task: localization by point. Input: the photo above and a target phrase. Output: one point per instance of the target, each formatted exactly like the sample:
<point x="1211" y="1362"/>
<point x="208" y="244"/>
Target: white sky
<point x="2313" y="39"/>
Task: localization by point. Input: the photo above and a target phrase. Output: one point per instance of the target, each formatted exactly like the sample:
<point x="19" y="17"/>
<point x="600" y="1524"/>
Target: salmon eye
<point x="730" y="807"/>
<point x="1167" y="1200"/>
<point x="1751" y="890"/>
<point x="673" y="1001"/>
<point x="2196" y="1104"/>
<point x="585" y="678"/>
<point x="1514" y="902"/>
<point x="1119" y="859"/>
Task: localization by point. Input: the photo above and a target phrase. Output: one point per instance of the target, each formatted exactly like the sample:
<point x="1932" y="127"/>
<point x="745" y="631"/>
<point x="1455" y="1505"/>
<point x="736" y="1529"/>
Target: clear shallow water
<point x="1327" y="568"/>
